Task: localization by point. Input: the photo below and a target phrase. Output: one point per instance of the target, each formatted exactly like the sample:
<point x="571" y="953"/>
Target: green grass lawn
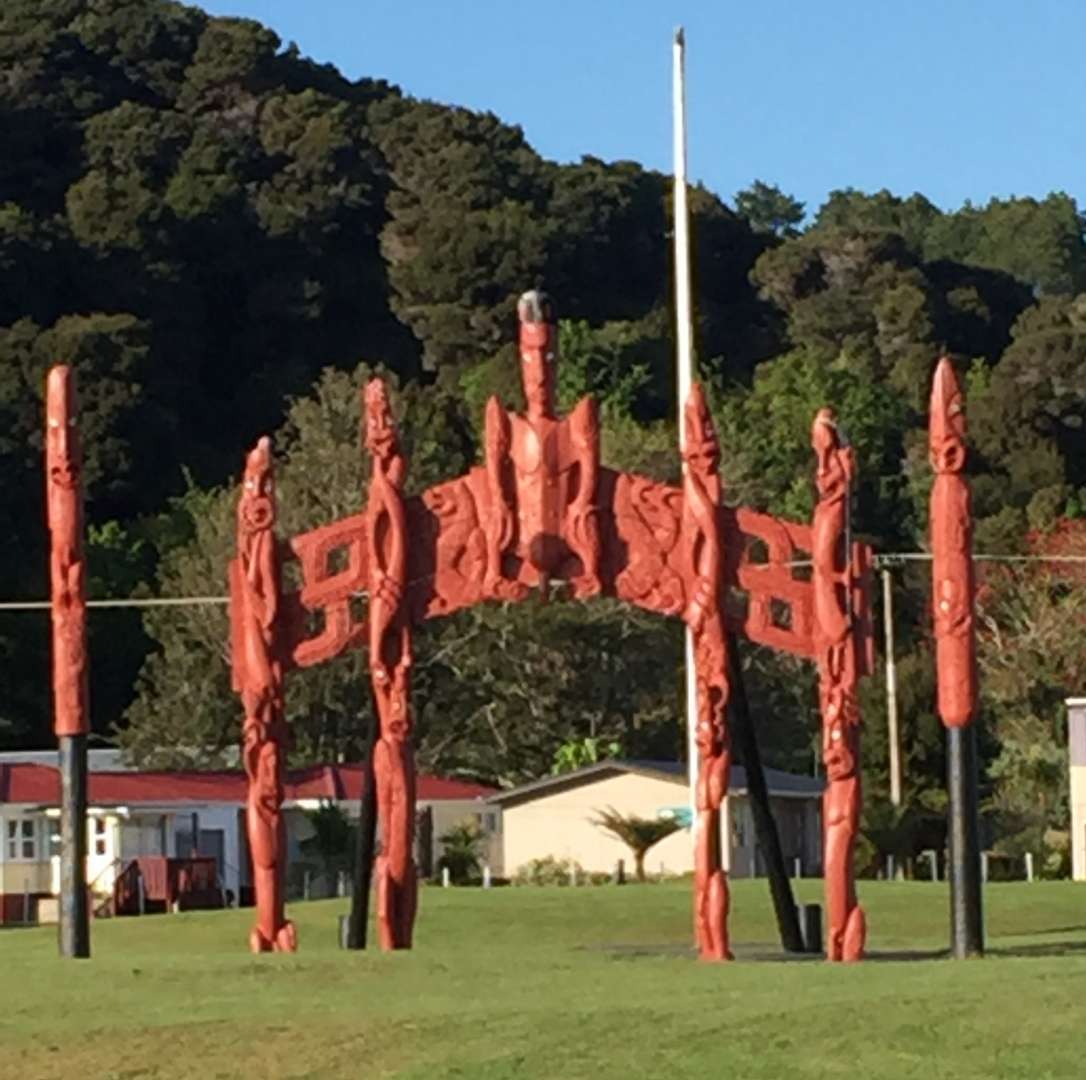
<point x="564" y="983"/>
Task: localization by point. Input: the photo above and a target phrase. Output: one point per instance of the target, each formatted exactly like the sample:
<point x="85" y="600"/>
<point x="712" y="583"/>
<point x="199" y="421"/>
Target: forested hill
<point x="202" y="221"/>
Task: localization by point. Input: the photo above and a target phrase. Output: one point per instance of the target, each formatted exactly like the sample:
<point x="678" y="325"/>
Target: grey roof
<point x="779" y="782"/>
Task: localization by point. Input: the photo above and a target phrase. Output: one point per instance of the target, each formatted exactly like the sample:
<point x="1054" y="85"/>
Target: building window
<point x="99" y="836"/>
<point x="739" y="830"/>
<point x="22" y="839"/>
<point x="491" y="823"/>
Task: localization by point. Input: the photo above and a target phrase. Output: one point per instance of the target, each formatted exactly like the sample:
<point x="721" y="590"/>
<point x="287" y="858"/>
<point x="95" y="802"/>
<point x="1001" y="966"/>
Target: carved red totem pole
<point x="952" y="553"/>
<point x="390" y="671"/>
<point x="71" y="717"/>
<point x="953" y="594"/>
<point x="257" y="669"/>
<point x="705" y="547"/>
<point x="67" y="571"/>
<point x="541" y="517"/>
<point x="838" y="674"/>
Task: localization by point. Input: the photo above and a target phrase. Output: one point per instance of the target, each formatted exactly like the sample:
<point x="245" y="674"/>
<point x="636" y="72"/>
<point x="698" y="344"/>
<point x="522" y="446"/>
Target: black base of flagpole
<point x="765" y="827"/>
<point x="74" y="910"/>
<point x="963" y="841"/>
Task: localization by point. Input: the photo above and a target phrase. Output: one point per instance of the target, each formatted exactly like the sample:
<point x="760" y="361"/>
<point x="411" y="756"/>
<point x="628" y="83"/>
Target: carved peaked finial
<point x="534" y="306"/>
<point x="538" y="352"/>
<point x="380" y="434"/>
<point x="701" y="450"/>
<point x="835" y="462"/>
<point x="946" y="421"/>
<point x="256" y="508"/>
<point x="62" y="432"/>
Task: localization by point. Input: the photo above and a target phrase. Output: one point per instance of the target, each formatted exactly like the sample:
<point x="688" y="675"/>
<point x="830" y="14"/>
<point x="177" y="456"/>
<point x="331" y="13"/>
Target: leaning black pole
<point x="765" y="827"/>
<point x="365" y="843"/>
<point x="963" y="841"/>
<point x="74" y="912"/>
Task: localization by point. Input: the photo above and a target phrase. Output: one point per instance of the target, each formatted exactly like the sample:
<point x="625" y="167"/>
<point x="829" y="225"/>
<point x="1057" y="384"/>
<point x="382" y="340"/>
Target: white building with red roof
<point x="134" y="814"/>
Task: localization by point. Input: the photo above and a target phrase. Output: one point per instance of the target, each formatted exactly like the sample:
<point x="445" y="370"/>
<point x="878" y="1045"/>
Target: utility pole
<point x="891" y="688"/>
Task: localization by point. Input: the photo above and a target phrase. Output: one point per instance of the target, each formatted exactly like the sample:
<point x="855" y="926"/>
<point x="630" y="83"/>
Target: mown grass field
<point x="569" y="983"/>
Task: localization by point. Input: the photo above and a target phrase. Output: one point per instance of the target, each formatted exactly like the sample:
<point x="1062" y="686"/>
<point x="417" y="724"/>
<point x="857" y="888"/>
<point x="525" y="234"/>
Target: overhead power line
<point x="883" y="561"/>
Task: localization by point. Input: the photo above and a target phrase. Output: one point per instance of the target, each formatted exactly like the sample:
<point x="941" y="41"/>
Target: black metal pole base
<point x="74" y="911"/>
<point x="765" y="827"/>
<point x="963" y="839"/>
<point x="357" y="920"/>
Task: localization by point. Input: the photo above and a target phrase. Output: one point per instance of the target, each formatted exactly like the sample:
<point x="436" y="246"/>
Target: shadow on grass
<point x="759" y="953"/>
<point x="769" y="954"/>
<point x="1058" y="948"/>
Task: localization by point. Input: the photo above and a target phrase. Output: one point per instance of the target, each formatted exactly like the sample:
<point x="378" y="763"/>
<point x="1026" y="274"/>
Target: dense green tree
<point x="466" y="230"/>
<point x="1040" y="242"/>
<point x="851" y="209"/>
<point x="768" y="209"/>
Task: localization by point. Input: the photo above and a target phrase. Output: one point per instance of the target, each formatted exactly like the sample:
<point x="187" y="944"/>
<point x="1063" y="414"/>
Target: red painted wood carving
<point x="953" y="585"/>
<point x="541" y="514"/>
<point x="67" y="570"/>
<point x="840" y="660"/>
<point x="705" y="617"/>
<point x="257" y="669"/>
<point x="390" y="671"/>
<point x="541" y="511"/>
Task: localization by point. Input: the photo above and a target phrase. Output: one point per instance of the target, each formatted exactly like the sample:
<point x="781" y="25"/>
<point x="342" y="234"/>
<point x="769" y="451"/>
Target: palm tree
<point x="637" y="833"/>
<point x="460" y="851"/>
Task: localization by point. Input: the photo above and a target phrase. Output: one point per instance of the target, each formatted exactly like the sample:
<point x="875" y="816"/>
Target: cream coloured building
<point x="553" y="816"/>
<point x="1076" y="736"/>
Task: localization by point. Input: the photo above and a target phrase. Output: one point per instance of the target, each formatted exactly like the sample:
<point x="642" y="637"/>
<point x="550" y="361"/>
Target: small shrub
<point x="548" y="871"/>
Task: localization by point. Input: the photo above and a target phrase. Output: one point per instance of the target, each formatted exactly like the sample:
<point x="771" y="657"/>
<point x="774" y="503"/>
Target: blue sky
<point x="958" y="99"/>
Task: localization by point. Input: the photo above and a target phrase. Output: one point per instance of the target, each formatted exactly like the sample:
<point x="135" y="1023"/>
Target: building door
<point x="102" y="840"/>
<point x="213" y="845"/>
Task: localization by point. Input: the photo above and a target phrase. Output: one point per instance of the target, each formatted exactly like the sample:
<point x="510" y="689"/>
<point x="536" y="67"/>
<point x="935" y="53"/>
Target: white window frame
<point x="17" y="836"/>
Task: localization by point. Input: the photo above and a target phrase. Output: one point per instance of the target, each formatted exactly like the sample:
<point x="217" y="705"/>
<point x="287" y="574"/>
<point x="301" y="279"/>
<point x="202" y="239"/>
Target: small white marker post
<point x="797" y="865"/>
<point x="445" y="879"/>
<point x="1029" y="866"/>
<point x="933" y="860"/>
<point x="486" y="876"/>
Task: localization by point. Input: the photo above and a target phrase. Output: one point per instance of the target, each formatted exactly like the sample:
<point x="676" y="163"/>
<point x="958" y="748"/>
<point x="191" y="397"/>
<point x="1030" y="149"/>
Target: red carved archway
<point x="540" y="509"/>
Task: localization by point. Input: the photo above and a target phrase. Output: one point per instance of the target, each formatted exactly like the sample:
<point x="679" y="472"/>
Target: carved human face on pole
<point x="380" y="435"/>
<point x="61" y="433"/>
<point x="839" y="738"/>
<point x="701" y="450"/>
<point x="256" y="510"/>
<point x="833" y="455"/>
<point x="538" y="348"/>
<point x="946" y="431"/>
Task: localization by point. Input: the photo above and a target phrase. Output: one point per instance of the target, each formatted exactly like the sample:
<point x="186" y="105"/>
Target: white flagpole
<point x="685" y="361"/>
